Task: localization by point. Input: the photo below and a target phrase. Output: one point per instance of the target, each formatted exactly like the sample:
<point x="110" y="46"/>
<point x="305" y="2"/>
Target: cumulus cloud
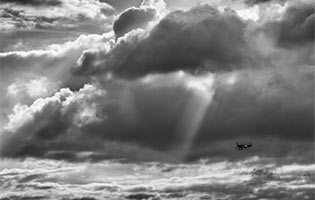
<point x="87" y="114"/>
<point x="134" y="17"/>
<point x="92" y="115"/>
<point x="33" y="88"/>
<point x="229" y="73"/>
<point x="87" y="120"/>
<point x="56" y="114"/>
<point x="142" y="117"/>
<point x="202" y="38"/>
<point x="50" y="66"/>
<point x="296" y="27"/>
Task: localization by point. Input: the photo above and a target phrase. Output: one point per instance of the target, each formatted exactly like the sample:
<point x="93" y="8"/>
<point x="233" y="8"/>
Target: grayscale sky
<point x="158" y="92"/>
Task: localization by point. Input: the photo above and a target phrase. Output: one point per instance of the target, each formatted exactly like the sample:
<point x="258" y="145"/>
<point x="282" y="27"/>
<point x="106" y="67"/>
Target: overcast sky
<point x="172" y="81"/>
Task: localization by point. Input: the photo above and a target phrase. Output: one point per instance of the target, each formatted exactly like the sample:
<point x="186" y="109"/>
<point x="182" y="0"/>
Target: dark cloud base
<point x="255" y="2"/>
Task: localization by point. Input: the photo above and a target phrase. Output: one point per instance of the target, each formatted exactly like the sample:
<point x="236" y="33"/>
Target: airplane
<point x="242" y="146"/>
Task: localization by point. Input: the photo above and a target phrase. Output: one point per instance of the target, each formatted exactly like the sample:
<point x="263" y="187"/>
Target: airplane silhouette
<point x="242" y="146"/>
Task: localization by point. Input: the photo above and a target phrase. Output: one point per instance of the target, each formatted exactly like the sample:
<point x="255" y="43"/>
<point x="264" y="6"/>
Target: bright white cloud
<point x="78" y="105"/>
<point x="34" y="88"/>
<point x="249" y="13"/>
<point x="28" y="75"/>
<point x="68" y="14"/>
<point x="114" y="180"/>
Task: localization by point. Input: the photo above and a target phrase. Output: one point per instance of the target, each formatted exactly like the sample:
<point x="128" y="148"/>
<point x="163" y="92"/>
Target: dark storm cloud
<point x="140" y="196"/>
<point x="132" y="18"/>
<point x="263" y="109"/>
<point x="254" y="2"/>
<point x="109" y="116"/>
<point x="296" y="27"/>
<point x="250" y="110"/>
<point x="138" y="119"/>
<point x="35" y="2"/>
<point x="142" y="123"/>
<point x="198" y="39"/>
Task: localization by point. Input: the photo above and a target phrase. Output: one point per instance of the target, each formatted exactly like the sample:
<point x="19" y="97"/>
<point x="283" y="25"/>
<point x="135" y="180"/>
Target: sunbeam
<point x="202" y="92"/>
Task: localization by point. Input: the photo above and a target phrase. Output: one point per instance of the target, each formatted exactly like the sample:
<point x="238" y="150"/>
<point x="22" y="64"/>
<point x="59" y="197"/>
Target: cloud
<point x="156" y="114"/>
<point x="296" y="28"/>
<point x="202" y="38"/>
<point x="132" y="18"/>
<point x="140" y="196"/>
<point x="244" y="108"/>
<point x="251" y="104"/>
<point x="254" y="2"/>
<point x="48" y="69"/>
<point x="264" y="98"/>
<point x="35" y="2"/>
<point x="52" y="126"/>
<point x="34" y="88"/>
<point x="137" y="120"/>
<point x="117" y="180"/>
<point x="121" y="5"/>
<point x="66" y="16"/>
<point x="53" y="115"/>
<point x="225" y="78"/>
<point x="35" y="27"/>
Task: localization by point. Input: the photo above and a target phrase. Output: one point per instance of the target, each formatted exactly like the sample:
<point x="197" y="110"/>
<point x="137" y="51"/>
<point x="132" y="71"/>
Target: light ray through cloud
<point x="203" y="89"/>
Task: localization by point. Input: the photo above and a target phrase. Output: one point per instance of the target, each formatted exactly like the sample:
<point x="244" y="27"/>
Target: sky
<point x="145" y="99"/>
